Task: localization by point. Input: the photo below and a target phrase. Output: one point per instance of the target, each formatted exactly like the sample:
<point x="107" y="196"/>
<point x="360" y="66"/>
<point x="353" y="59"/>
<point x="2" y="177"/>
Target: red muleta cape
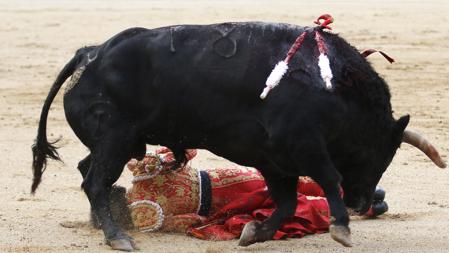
<point x="311" y="216"/>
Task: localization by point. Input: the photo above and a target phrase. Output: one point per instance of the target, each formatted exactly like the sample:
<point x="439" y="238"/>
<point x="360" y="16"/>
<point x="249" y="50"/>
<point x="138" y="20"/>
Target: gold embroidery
<point x="228" y="176"/>
<point x="144" y="216"/>
<point x="175" y="192"/>
<point x="161" y="200"/>
<point x="159" y="180"/>
<point x="179" y="192"/>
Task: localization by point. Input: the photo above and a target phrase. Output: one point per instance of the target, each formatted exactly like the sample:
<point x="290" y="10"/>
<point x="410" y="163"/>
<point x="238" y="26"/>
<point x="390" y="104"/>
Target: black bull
<point x="198" y="87"/>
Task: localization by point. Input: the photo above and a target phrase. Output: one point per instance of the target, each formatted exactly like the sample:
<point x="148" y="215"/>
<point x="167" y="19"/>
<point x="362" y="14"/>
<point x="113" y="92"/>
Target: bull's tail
<point x="42" y="149"/>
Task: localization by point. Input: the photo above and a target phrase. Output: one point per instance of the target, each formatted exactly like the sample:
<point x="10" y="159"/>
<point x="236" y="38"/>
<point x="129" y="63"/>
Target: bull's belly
<point x="245" y="142"/>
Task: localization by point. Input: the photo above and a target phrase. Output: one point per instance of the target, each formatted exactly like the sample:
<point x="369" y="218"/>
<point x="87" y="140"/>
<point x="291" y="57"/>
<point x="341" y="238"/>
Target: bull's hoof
<point x="124" y="244"/>
<point x="341" y="234"/>
<point x="248" y="235"/>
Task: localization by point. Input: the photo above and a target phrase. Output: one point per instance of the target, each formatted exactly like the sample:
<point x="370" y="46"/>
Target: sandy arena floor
<point x="38" y="37"/>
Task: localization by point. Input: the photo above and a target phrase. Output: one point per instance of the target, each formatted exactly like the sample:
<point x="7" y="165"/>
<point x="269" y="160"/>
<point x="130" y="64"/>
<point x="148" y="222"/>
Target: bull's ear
<point x="401" y="124"/>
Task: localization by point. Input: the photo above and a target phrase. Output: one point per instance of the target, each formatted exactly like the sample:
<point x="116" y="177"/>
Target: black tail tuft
<point x="41" y="148"/>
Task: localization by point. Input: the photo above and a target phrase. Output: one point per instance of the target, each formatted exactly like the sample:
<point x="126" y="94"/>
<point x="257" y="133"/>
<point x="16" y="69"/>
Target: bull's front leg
<point x="283" y="192"/>
<point x="315" y="161"/>
<point x="339" y="229"/>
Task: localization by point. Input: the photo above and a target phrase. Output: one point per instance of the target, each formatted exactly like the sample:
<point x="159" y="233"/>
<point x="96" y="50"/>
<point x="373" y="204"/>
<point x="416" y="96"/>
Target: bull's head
<point x="361" y="177"/>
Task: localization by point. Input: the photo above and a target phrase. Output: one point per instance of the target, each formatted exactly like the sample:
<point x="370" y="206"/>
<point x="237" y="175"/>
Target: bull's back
<point x="207" y="78"/>
<point x="200" y="66"/>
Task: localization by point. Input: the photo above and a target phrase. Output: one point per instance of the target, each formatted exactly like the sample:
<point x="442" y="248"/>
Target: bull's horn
<point x="417" y="140"/>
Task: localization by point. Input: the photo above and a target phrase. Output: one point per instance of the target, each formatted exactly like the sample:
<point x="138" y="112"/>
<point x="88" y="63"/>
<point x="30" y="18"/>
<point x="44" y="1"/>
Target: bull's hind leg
<point x="108" y="158"/>
<point x="283" y="192"/>
<point x="83" y="166"/>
